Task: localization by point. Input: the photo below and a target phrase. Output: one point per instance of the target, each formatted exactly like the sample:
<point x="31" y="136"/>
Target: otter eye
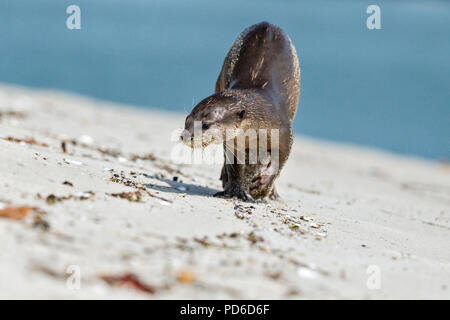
<point x="205" y="126"/>
<point x="241" y="113"/>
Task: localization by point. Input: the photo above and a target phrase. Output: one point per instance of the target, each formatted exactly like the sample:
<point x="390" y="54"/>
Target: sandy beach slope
<point x="115" y="212"/>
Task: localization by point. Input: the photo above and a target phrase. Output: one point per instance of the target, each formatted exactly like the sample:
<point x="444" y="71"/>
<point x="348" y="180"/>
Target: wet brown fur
<point x="260" y="78"/>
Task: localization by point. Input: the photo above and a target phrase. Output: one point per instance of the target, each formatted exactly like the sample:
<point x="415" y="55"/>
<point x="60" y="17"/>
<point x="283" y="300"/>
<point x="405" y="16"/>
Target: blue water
<point x="386" y="88"/>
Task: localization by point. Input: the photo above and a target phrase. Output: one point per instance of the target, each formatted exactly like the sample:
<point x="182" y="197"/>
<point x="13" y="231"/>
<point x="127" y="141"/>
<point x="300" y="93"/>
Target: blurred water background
<point x="386" y="88"/>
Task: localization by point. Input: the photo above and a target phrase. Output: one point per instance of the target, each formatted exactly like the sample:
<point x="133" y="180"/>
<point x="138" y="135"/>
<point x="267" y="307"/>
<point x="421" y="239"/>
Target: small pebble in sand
<point x="85" y="139"/>
<point x="84" y="195"/>
<point x="74" y="162"/>
<point x="306" y="273"/>
<point x="239" y="215"/>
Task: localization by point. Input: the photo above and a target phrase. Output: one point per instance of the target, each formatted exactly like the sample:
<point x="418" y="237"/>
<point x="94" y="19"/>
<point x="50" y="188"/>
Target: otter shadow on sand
<point x="191" y="189"/>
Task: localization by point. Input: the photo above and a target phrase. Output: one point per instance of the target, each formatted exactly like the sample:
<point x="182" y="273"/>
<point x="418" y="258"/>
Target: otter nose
<point x="186" y="138"/>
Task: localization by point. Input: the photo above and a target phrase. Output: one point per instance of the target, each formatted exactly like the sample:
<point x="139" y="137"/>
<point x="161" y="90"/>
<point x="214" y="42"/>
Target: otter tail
<point x="223" y="82"/>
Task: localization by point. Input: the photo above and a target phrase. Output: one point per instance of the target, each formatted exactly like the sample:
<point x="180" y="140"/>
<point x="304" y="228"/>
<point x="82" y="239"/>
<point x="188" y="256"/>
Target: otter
<point x="258" y="88"/>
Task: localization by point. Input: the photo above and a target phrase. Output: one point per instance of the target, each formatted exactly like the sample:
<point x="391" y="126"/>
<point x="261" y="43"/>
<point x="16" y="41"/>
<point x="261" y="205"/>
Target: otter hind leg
<point x="274" y="194"/>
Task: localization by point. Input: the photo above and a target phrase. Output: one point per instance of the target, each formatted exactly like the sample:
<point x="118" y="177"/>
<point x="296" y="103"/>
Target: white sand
<point x="360" y="208"/>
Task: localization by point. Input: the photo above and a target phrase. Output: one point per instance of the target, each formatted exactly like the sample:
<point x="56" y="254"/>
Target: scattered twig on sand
<point x="148" y="156"/>
<point x="64" y="146"/>
<point x="204" y="241"/>
<point x="128" y="280"/>
<point x="52" y="199"/>
<point x="49" y="271"/>
<point x="27" y="141"/>
<point x="12" y="114"/>
<point x="253" y="238"/>
<point x="157" y="197"/>
<point x="122" y="179"/>
<point x="108" y="152"/>
<point x="135" y="196"/>
<point x="68" y="183"/>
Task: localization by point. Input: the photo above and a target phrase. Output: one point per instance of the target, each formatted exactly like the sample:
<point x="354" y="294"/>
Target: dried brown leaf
<point x="128" y="280"/>
<point x="185" y="277"/>
<point x="15" y="213"/>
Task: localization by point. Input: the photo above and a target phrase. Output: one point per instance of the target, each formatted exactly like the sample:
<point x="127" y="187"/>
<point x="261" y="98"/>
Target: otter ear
<point x="241" y="113"/>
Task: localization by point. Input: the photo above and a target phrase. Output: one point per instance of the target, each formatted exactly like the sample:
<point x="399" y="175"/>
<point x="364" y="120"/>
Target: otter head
<point x="217" y="118"/>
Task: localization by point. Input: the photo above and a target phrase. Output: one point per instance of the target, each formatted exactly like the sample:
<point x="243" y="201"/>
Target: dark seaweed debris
<point x="122" y="179"/>
<point x="40" y="223"/>
<point x="52" y="199"/>
<point x="135" y="196"/>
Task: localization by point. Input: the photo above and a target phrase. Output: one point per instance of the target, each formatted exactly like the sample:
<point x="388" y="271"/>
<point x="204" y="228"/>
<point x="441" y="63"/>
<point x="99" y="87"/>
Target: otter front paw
<point x="260" y="186"/>
<point x="231" y="193"/>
